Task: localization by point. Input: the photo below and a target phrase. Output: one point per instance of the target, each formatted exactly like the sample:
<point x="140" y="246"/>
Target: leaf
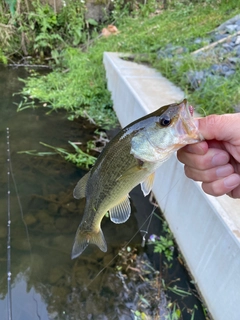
<point x="36" y="153"/>
<point x="92" y="22"/>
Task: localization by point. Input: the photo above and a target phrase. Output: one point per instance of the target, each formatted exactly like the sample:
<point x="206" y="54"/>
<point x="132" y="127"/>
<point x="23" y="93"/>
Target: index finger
<point x="219" y="127"/>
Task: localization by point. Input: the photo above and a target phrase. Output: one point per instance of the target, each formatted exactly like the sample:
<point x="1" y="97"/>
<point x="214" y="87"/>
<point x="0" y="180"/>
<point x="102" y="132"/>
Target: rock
<point x="237" y="108"/>
<point x="49" y="228"/>
<point x="21" y="244"/>
<point x="222" y="69"/>
<point x="30" y="219"/>
<point x="234" y="20"/>
<point x="219" y="36"/>
<point x="237" y="50"/>
<point x="44" y="217"/>
<point x="237" y="40"/>
<point x="71" y="205"/>
<point x="233" y="60"/>
<point x="227" y="46"/>
<point x="196" y="78"/>
<point x="231" y="28"/>
<point x="95" y="10"/>
<point x="60" y="292"/>
<point x="229" y="73"/>
<point x="55" y="274"/>
<point x="61" y="223"/>
<point x="63" y="243"/>
<point x="63" y="211"/>
<point x="53" y="208"/>
<point x="198" y="41"/>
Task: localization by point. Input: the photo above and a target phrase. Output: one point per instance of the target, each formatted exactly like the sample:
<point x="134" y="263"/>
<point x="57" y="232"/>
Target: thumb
<point x="220" y="127"/>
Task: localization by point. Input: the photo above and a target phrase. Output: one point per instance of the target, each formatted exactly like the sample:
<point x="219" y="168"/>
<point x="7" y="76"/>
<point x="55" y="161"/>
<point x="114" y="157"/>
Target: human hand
<point x="216" y="161"/>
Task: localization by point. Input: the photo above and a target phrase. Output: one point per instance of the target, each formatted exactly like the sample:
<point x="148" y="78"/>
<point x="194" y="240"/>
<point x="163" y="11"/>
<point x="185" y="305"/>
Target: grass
<point x="78" y="84"/>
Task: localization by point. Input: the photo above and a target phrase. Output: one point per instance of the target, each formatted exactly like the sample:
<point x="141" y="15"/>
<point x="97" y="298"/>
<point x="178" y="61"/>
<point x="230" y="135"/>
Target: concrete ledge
<point x="207" y="229"/>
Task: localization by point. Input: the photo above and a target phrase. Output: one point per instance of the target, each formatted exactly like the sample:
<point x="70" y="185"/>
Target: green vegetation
<point x="164" y="243"/>
<point x="80" y="88"/>
<point x="78" y="83"/>
<point x="74" y="49"/>
<point x="79" y="158"/>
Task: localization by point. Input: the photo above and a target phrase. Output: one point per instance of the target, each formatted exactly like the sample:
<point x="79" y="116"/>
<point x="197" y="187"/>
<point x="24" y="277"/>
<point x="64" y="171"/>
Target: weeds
<point x="218" y="95"/>
<point x="79" y="158"/>
<point x="41" y="30"/>
<point x="163" y="244"/>
<point x="79" y="82"/>
<point x="80" y="89"/>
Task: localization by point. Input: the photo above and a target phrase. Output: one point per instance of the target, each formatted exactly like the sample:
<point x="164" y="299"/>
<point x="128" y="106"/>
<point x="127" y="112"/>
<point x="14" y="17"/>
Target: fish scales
<point x="130" y="158"/>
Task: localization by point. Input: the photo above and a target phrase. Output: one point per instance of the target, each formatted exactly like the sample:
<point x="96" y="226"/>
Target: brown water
<point x="45" y="282"/>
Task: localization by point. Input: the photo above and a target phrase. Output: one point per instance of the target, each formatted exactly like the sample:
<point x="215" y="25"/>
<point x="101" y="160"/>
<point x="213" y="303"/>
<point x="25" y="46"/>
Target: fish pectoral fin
<point x="131" y="171"/>
<point x="79" y="190"/>
<point x="83" y="239"/>
<point x="121" y="212"/>
<point x="147" y="185"/>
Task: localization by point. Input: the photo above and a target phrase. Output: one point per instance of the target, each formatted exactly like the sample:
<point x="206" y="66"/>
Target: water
<point x="45" y="282"/>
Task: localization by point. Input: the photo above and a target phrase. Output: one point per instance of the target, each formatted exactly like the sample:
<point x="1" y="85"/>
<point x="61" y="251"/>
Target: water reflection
<point x="46" y="283"/>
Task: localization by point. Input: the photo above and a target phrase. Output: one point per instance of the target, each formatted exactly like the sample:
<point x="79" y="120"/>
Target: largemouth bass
<point x="130" y="158"/>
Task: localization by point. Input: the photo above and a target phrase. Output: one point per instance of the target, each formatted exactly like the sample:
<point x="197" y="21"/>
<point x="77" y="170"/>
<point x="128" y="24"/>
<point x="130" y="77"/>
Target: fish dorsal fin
<point x="79" y="190"/>
<point x="147" y="185"/>
<point x="121" y="212"/>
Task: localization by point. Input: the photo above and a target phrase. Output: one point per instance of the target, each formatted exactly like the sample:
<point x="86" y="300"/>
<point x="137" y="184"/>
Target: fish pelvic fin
<point x="147" y="185"/>
<point x="84" y="238"/>
<point x="80" y="189"/>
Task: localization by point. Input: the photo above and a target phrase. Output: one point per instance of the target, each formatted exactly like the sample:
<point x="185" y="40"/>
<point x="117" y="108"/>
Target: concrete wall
<point x="207" y="229"/>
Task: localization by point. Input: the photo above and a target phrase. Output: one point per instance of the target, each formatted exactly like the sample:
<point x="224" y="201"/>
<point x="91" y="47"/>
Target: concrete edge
<point x="207" y="229"/>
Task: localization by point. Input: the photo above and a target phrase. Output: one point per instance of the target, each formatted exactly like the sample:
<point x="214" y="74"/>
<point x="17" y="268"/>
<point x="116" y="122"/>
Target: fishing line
<point x="10" y="172"/>
<point x="124" y="247"/>
<point x="140" y="229"/>
<point x="146" y="231"/>
<point x="9" y="274"/>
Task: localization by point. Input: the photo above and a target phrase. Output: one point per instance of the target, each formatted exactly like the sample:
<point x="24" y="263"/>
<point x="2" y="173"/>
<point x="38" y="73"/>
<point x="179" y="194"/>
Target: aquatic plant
<point x="79" y="158"/>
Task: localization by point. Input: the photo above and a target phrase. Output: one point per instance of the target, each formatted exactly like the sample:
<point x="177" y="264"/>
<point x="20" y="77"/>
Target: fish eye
<point x="165" y="121"/>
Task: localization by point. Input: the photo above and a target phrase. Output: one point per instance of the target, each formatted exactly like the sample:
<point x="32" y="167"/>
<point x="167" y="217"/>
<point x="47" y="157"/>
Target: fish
<point x="129" y="159"/>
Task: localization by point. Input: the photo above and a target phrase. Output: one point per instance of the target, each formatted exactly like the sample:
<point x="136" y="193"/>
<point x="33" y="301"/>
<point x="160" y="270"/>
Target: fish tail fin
<point x="83" y="239"/>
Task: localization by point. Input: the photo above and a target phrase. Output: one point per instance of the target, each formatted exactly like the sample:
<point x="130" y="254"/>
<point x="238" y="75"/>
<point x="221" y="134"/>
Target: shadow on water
<point x="45" y="282"/>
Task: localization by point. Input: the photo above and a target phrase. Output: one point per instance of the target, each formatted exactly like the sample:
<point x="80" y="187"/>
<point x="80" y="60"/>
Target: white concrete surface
<point x="207" y="229"/>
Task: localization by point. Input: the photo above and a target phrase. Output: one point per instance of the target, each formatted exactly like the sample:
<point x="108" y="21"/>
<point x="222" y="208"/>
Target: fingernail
<point x="220" y="159"/>
<point x="224" y="171"/>
<point x="232" y="181"/>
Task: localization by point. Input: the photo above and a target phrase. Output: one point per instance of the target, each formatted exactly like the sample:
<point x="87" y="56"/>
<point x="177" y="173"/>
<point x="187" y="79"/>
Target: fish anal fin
<point x="121" y="212"/>
<point x="147" y="185"/>
<point x="84" y="238"/>
<point x="79" y="190"/>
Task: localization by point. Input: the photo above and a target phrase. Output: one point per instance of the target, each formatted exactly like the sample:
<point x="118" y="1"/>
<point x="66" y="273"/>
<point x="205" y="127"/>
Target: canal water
<point x="38" y="279"/>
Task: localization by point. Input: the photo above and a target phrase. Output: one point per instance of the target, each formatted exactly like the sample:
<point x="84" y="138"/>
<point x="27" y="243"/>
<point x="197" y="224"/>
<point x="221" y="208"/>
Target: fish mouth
<point x="186" y="125"/>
